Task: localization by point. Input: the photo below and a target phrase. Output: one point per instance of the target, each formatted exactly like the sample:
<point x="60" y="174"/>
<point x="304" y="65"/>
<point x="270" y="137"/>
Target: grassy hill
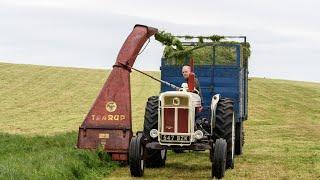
<point x="42" y="108"/>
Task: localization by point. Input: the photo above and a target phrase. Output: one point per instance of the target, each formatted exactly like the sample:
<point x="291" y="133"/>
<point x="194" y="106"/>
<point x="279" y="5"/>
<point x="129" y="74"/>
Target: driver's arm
<point x="199" y="89"/>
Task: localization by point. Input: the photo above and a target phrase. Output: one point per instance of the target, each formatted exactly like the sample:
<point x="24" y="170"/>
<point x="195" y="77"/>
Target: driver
<point x="186" y="70"/>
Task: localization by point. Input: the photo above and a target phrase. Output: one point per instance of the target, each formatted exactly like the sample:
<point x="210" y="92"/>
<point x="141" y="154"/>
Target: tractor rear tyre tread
<point x="223" y="126"/>
<point x="154" y="158"/>
<point x="151" y="116"/>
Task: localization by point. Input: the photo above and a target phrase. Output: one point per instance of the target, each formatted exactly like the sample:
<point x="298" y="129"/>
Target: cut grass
<point x="51" y="157"/>
<point x="42" y="108"/>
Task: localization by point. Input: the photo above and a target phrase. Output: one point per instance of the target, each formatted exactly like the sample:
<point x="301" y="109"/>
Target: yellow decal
<point x="110" y="117"/>
<point x="111" y="106"/>
<point x="116" y="117"/>
<point x="103" y="136"/>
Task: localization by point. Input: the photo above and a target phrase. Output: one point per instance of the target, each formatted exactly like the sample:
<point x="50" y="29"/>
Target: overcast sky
<point x="284" y="35"/>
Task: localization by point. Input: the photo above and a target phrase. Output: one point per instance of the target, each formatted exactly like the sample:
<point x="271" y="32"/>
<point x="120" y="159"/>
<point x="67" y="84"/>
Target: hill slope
<point x="42" y="108"/>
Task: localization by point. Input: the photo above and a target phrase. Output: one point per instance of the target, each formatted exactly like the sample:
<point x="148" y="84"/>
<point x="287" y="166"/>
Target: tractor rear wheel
<point x="225" y="127"/>
<point x="136" y="156"/>
<point x="219" y="158"/>
<point x="239" y="139"/>
<point x="151" y="116"/>
<point x="154" y="157"/>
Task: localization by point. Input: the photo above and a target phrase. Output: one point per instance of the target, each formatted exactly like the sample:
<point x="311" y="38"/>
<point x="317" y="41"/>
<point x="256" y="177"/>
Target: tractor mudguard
<point x="214" y="102"/>
<point x="109" y="121"/>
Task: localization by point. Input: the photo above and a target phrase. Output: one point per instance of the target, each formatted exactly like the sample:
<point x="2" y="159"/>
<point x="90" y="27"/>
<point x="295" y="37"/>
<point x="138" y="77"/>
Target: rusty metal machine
<point x="108" y="122"/>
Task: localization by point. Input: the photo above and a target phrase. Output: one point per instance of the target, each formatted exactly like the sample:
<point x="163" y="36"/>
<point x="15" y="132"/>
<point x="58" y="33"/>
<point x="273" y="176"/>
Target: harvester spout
<point x="108" y="122"/>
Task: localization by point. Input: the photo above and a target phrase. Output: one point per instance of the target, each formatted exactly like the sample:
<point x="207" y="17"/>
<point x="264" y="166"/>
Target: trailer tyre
<point x="225" y="127"/>
<point x="136" y="157"/>
<point x="239" y="139"/>
<point x="219" y="159"/>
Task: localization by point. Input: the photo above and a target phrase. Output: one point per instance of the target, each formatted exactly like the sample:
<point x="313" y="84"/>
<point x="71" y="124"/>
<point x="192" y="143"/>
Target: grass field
<point x="42" y="108"/>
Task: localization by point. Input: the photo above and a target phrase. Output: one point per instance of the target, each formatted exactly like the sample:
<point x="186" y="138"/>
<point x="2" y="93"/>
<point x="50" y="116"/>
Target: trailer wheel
<point x="136" y="156"/>
<point x="225" y="127"/>
<point x="239" y="140"/>
<point x="219" y="159"/>
<point x="151" y="116"/>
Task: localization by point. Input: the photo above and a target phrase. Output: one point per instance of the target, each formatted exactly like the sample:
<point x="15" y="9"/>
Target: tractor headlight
<point x="198" y="134"/>
<point x="154" y="133"/>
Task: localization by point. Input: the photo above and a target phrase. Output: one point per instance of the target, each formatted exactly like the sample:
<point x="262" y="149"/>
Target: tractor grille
<point x="183" y="120"/>
<point x="175" y="120"/>
<point x="169" y="120"/>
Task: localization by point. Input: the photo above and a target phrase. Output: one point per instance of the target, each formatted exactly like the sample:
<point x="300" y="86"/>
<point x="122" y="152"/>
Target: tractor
<point x="172" y="120"/>
<point x="180" y="118"/>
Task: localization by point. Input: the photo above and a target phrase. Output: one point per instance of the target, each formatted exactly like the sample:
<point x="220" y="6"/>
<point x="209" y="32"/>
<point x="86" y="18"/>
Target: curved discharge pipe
<point x="109" y="121"/>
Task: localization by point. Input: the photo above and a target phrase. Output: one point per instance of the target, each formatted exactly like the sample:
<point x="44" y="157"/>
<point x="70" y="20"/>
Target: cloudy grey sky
<point x="284" y="35"/>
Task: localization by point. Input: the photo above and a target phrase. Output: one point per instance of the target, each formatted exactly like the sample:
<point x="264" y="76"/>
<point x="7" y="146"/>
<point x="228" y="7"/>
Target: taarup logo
<point x="111" y="106"/>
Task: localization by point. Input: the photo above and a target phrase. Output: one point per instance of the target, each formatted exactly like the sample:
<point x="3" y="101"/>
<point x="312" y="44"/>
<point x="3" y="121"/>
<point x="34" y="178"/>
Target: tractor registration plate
<point x="171" y="138"/>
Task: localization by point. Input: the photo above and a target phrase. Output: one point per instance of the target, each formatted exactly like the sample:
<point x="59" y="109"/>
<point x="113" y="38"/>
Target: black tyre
<point x="239" y="139"/>
<point x="156" y="158"/>
<point x="219" y="159"/>
<point x="225" y="127"/>
<point x="136" y="156"/>
<point x="151" y="116"/>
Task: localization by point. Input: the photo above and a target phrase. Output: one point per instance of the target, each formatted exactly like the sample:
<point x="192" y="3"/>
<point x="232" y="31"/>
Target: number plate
<point x="172" y="138"/>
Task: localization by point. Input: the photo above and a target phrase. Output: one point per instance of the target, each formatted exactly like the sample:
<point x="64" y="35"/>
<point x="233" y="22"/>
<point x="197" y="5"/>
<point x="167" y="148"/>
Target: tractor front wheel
<point x="225" y="127"/>
<point x="218" y="167"/>
<point x="156" y="158"/>
<point x="136" y="156"/>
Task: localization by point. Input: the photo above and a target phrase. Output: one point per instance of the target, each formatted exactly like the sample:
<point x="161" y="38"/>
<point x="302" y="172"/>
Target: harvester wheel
<point x="151" y="116"/>
<point x="136" y="156"/>
<point x="219" y="159"/>
<point x="225" y="127"/>
<point x="239" y="140"/>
